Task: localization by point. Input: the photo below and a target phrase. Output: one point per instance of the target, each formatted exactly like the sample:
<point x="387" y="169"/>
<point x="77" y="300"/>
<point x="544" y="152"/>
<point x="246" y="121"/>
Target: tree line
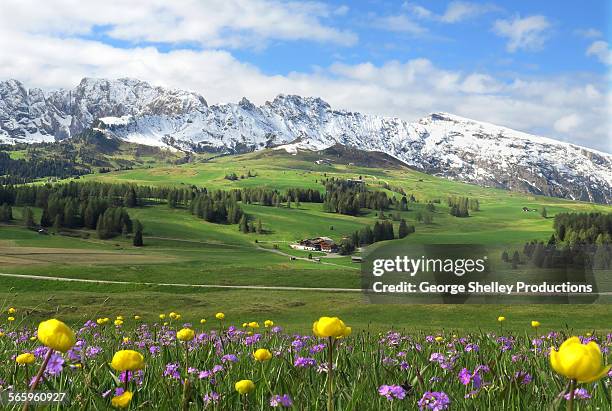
<point x="583" y="228"/>
<point x="349" y="197"/>
<point x="22" y="171"/>
<point x="461" y="206"/>
<point x="381" y="231"/>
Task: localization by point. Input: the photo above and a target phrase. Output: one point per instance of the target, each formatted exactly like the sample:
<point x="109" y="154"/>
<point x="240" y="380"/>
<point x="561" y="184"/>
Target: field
<point x="176" y="363"/>
<point x="185" y="258"/>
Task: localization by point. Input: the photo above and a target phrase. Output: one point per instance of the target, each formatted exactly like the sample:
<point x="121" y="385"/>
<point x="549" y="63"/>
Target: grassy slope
<point x="183" y="249"/>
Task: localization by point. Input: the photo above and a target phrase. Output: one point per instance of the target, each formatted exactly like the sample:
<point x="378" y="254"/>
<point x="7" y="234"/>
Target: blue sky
<point x="465" y="45"/>
<point x="538" y="66"/>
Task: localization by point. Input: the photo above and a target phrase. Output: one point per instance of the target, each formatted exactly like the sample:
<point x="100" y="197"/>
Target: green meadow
<point x="183" y="252"/>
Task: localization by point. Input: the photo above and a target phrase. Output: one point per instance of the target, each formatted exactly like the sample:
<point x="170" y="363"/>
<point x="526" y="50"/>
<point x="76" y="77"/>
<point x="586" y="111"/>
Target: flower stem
<point x="43" y="367"/>
<point x="330" y="375"/>
<point x="570" y="402"/>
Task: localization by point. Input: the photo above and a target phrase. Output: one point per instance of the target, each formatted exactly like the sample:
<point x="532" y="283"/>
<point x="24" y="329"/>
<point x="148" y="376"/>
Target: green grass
<point x="181" y="248"/>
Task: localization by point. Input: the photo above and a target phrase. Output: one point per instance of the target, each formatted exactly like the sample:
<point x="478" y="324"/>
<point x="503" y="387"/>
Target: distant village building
<point x="325" y="161"/>
<point x="324" y="244"/>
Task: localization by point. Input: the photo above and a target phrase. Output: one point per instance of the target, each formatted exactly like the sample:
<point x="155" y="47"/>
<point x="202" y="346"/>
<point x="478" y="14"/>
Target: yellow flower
<point x="118" y="322"/>
<point x="123" y="400"/>
<point x="166" y="323"/>
<point x="11" y="318"/>
<point x="12" y="310"/>
<point x="120" y="317"/>
<point x="203" y="321"/>
<point x="245" y="325"/>
<point x="253" y="324"/>
<point x="33" y="338"/>
<point x="244" y="386"/>
<point x="137" y="317"/>
<point x="162" y="316"/>
<point x="439" y="339"/>
<point x="220" y="316"/>
<point x="173" y="315"/>
<point x="577" y="361"/>
<point x="55" y="334"/>
<point x="1" y="334"/>
<point x="25" y="358"/>
<point x="330" y="327"/>
<point x="127" y="360"/>
<point x="185" y="334"/>
<point x="268" y="323"/>
<point x="102" y="321"/>
<point x="262" y="355"/>
<point x="535" y="324"/>
<point x="126" y="339"/>
<point x="501" y="318"/>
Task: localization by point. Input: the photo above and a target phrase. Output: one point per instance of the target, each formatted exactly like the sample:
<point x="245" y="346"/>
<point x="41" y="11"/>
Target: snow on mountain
<point x="442" y="144"/>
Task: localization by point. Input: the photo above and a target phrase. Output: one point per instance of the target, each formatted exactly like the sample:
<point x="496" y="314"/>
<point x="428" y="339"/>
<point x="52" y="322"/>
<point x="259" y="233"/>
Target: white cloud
<point x="567" y="123"/>
<point x="589" y="33"/>
<point x="455" y="12"/>
<point x="601" y="50"/>
<point x="407" y="89"/>
<point x="529" y="33"/>
<point x="400" y="23"/>
<point x="209" y="23"/>
<point x="460" y="10"/>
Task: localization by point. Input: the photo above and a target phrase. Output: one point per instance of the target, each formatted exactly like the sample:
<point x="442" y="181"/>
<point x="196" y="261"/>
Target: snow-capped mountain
<point x="441" y="144"/>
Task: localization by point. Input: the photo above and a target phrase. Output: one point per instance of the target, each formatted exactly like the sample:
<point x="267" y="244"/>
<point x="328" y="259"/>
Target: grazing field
<point x="182" y="249"/>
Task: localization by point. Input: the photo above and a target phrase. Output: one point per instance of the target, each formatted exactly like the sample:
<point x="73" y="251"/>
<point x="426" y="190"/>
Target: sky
<point x="537" y="66"/>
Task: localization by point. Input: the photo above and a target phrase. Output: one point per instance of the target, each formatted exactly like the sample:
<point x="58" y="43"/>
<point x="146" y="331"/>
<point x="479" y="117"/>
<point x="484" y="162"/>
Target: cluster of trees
<point x="382" y="230"/>
<point x="248" y="226"/>
<point x="583" y="228"/>
<point x="233" y="176"/>
<point x="118" y="195"/>
<point x="6" y="213"/>
<point x="96" y="206"/>
<point x="24" y="171"/>
<point x="461" y="206"/>
<point x="217" y="206"/>
<point x="349" y="197"/>
<point x="562" y="256"/>
<point x="112" y="222"/>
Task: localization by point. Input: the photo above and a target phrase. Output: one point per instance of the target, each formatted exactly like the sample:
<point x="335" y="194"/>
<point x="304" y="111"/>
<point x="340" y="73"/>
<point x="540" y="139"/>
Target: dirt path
<point x="236" y="287"/>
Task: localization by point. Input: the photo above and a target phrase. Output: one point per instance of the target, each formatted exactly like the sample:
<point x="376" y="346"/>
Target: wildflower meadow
<point x="172" y="363"/>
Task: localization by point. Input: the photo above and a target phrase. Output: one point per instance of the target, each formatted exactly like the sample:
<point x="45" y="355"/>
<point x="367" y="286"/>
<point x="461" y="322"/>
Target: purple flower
<point x="435" y="401"/>
<point x="92" y="351"/>
<point x="465" y="376"/>
<point x="391" y="392"/>
<point x="523" y="377"/>
<point x="55" y="365"/>
<point x="172" y="371"/>
<point x="472" y="347"/>
<point x="229" y="358"/>
<point x="281" y="401"/>
<point x="154" y="350"/>
<point x="579" y="394"/>
<point x="304" y="362"/>
<point x="317" y="348"/>
<point x="211" y="398"/>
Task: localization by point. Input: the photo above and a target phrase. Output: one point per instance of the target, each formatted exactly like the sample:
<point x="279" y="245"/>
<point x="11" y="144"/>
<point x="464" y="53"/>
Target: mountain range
<point x="441" y="144"/>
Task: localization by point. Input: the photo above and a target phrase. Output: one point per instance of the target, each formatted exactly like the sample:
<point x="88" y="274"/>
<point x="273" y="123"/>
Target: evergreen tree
<point x="45" y="220"/>
<point x="138" y="241"/>
<point x="243" y="225"/>
<point x="403" y="229"/>
<point x="57" y="224"/>
<point x="28" y="217"/>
